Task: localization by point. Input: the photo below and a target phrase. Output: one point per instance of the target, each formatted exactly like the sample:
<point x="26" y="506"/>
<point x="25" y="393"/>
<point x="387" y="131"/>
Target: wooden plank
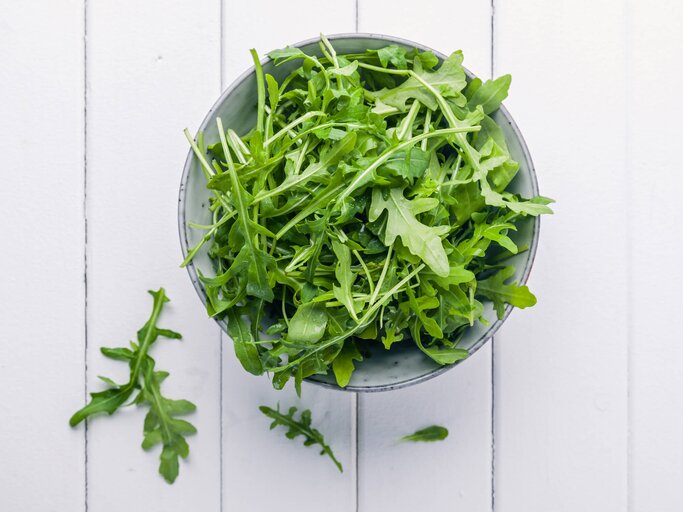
<point x="153" y="68"/>
<point x="250" y="450"/>
<point x="656" y="380"/>
<point x="561" y="367"/>
<point x="42" y="291"/>
<point x="455" y="474"/>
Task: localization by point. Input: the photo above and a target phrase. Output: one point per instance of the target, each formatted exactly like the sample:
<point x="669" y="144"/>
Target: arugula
<point x="429" y="434"/>
<point x="369" y="203"/>
<point x="161" y="424"/>
<point x="300" y="427"/>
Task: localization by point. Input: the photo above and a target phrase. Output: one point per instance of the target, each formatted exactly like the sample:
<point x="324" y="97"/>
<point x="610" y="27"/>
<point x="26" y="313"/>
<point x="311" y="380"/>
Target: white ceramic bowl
<point x="404" y="364"/>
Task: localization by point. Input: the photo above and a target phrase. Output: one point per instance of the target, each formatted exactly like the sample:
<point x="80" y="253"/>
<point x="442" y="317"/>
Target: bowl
<point x="382" y="370"/>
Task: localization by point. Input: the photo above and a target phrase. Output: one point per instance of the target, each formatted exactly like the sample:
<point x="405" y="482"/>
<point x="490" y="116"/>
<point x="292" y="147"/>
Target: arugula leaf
<point x="495" y="289"/>
<point x="243" y="342"/>
<point x="449" y="80"/>
<point x="429" y="434"/>
<point x="160" y="424"/>
<point x="300" y="427"/>
<point x="308" y="323"/>
<point x="345" y="278"/>
<point x="490" y="94"/>
<point x="421" y="240"/>
<point x="343" y="366"/>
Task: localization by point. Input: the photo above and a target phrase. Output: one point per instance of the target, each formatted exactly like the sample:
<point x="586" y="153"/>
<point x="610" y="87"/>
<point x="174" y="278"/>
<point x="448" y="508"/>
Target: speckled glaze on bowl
<point x="383" y="370"/>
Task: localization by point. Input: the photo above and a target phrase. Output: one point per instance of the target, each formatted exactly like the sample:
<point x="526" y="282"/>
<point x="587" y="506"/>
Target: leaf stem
<point x="260" y="86"/>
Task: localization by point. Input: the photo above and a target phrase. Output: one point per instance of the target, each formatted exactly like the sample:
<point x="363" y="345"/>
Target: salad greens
<point x="300" y="427"/>
<point x="161" y="426"/>
<point x="429" y="434"/>
<point x="368" y="204"/>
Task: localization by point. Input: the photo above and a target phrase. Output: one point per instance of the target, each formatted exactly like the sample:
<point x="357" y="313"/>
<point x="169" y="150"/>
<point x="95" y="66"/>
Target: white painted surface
<point x="584" y="405"/>
<point x="653" y="140"/>
<point x="42" y="328"/>
<point x="561" y="368"/>
<point x="153" y="67"/>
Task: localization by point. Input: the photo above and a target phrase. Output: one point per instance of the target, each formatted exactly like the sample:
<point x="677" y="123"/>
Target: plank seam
<point x="85" y="246"/>
<point x="493" y="340"/>
<point x="493" y="35"/>
<point x="356" y="413"/>
<point x="220" y="334"/>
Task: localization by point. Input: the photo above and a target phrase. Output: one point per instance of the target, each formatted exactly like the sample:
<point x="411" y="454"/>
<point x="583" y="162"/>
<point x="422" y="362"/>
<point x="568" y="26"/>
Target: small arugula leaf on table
<point x="300" y="427"/>
<point x="144" y="382"/>
<point x="429" y="434"/>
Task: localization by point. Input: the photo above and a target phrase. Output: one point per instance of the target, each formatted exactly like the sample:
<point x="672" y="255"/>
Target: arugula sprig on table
<point x="369" y="204"/>
<point x="300" y="427"/>
<point x="161" y="425"/>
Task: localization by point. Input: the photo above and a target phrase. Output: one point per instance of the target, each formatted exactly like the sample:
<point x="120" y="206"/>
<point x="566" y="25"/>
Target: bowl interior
<point x="404" y="364"/>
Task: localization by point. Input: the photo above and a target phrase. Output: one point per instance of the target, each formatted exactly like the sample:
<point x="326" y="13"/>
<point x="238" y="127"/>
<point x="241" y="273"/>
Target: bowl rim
<point x="493" y="328"/>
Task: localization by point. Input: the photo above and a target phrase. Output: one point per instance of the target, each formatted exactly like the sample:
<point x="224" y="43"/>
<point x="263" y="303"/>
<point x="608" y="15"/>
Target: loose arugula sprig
<point x="300" y="427"/>
<point x="161" y="424"/>
<point x="368" y="204"/>
<point x="429" y="434"/>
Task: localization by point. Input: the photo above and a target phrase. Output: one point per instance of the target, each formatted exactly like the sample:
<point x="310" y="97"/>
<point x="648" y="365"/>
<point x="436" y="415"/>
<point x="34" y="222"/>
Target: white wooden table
<point x="576" y="406"/>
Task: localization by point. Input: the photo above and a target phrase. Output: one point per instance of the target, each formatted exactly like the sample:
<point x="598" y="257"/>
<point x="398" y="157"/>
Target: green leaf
<point x="243" y="343"/>
<point x="160" y="426"/>
<point x="300" y="427"/>
<point x="118" y="354"/>
<point x="107" y="401"/>
<point x="273" y="92"/>
<point x="495" y="289"/>
<point x="347" y="70"/>
<point x="421" y="240"/>
<point x="394" y="55"/>
<point x="444" y="355"/>
<point x="345" y="277"/>
<point x="343" y="365"/>
<point x="448" y="79"/>
<point x="308" y="323"/>
<point x="491" y="94"/>
<point x="429" y="434"/>
<point x="409" y="164"/>
<point x="286" y="54"/>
